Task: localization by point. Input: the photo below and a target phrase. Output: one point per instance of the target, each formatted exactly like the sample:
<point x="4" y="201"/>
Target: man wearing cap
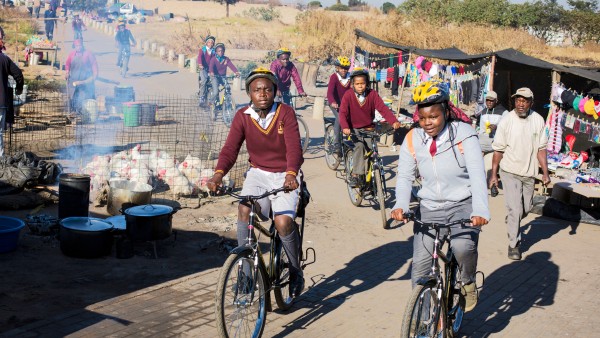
<point x="205" y="54"/>
<point x="487" y="120"/>
<point x="519" y="150"/>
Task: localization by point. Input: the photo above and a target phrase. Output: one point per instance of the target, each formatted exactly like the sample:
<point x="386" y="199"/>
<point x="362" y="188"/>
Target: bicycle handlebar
<point x="372" y="133"/>
<point x="411" y="216"/>
<point x="228" y="191"/>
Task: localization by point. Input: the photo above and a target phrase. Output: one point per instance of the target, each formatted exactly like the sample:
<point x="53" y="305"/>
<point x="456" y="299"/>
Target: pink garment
<point x="455" y="112"/>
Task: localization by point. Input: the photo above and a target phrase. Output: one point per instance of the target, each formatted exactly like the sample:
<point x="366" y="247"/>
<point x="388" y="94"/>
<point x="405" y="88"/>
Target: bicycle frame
<point x="374" y="162"/>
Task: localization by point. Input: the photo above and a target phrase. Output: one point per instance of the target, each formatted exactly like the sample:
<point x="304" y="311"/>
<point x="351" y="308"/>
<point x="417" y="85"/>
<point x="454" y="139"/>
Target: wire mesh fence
<point x="167" y="142"/>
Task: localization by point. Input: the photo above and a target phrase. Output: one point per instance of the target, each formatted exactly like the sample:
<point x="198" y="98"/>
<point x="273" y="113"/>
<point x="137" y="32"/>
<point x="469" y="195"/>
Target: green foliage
<point x="338" y="8"/>
<point x="262" y="13"/>
<point x="89" y="5"/>
<point x="584" y="5"/>
<point x="583" y="26"/>
<point x="245" y="70"/>
<point x="315" y="4"/>
<point x="387" y="7"/>
<point x="356" y="3"/>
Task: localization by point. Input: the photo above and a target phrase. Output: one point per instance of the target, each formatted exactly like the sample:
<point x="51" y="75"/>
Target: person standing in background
<point x="7" y="113"/>
<point x="50" y="21"/>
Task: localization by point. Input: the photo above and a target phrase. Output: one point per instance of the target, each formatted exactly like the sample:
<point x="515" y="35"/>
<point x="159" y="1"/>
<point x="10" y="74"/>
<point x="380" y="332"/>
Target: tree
<point x="89" y="5"/>
<point x="542" y="18"/>
<point x="227" y="3"/>
<point x="356" y="3"/>
<point x="314" y="4"/>
<point x="584" y="5"/>
<point x="387" y="7"/>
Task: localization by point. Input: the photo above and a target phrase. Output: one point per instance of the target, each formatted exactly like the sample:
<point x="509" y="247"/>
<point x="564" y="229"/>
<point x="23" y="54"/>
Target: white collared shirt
<point x="361" y="97"/>
<point x="264" y="123"/>
<point x="345" y="80"/>
<point x="439" y="139"/>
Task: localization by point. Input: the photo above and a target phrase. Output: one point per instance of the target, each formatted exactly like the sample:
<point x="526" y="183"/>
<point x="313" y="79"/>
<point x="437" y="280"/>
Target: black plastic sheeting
<point x="24" y="169"/>
<point x="547" y="206"/>
<point x="507" y="59"/>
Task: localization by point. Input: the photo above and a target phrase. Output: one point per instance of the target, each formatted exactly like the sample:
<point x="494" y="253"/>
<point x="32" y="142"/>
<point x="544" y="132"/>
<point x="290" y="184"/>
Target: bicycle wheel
<point x="353" y="192"/>
<point x="456" y="302"/>
<point x="421" y="313"/>
<point x="380" y="197"/>
<point x="331" y="157"/>
<point x="282" y="269"/>
<point x="228" y="110"/>
<point x="304" y="136"/>
<point x="240" y="304"/>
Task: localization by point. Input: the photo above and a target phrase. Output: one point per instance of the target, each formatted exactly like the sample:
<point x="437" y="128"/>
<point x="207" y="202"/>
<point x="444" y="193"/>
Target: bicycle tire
<point x="456" y="302"/>
<point x="380" y="197"/>
<point x="418" y="319"/>
<point x="281" y="288"/>
<point x="353" y="192"/>
<point x="237" y="314"/>
<point x="332" y="160"/>
<point x="228" y="110"/>
<point x="304" y="134"/>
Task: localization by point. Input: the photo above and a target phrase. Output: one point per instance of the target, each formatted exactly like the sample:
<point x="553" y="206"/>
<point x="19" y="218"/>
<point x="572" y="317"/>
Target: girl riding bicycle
<point x="205" y="55"/>
<point x="339" y="83"/>
<point x="217" y="70"/>
<point x="448" y="157"/>
<point x="357" y="111"/>
<point x="285" y="71"/>
<point x="270" y="131"/>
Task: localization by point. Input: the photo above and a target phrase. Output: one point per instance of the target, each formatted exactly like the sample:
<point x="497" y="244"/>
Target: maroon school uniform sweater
<point x="355" y="115"/>
<point x="204" y="58"/>
<point x="275" y="149"/>
<point x="336" y="90"/>
<point x="220" y="68"/>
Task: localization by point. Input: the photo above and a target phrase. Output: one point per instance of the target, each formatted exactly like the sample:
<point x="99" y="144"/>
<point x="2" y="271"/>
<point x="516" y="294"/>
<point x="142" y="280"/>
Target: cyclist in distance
<point x="124" y="40"/>
<point x="286" y="71"/>
<point x="217" y="70"/>
<point x="448" y="157"/>
<point x="339" y="83"/>
<point x="205" y="55"/>
<point x="272" y="138"/>
<point x="357" y="111"/>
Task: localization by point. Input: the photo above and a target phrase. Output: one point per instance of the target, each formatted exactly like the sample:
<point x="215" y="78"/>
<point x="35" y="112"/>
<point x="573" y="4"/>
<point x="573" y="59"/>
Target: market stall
<point x="38" y="46"/>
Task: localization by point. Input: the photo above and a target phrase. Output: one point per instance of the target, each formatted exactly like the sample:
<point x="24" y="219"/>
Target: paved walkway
<point x="360" y="283"/>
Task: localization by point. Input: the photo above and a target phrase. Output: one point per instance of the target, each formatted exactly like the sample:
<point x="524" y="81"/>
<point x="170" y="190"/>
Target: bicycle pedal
<point x="305" y="259"/>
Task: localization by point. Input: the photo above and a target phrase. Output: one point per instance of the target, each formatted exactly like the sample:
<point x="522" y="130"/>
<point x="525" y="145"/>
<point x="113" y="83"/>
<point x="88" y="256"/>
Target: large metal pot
<point x="85" y="237"/>
<point x="123" y="194"/>
<point x="149" y="222"/>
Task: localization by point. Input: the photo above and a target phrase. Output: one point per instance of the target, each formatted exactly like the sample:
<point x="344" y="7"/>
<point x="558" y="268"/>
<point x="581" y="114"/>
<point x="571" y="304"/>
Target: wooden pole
<point x="16" y="35"/>
<point x="492" y="70"/>
<point x="410" y="57"/>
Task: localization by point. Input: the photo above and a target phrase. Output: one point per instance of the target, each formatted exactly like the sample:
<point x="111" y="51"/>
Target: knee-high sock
<point x="291" y="245"/>
<point x="242" y="232"/>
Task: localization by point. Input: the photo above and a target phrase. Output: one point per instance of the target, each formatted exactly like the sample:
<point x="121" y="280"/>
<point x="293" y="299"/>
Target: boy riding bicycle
<point x="339" y="84"/>
<point x="447" y="155"/>
<point x="285" y="71"/>
<point x="124" y="40"/>
<point x="217" y="70"/>
<point x="357" y="111"/>
<point x="205" y="55"/>
<point x="272" y="139"/>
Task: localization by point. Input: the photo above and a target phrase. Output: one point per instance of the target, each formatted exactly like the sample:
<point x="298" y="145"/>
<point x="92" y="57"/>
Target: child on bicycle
<point x="446" y="153"/>
<point x="272" y="139"/>
<point x="124" y="40"/>
<point x="78" y="27"/>
<point x="285" y="71"/>
<point x="357" y="111"/>
<point x="217" y="70"/>
<point x="205" y="55"/>
<point x="339" y="83"/>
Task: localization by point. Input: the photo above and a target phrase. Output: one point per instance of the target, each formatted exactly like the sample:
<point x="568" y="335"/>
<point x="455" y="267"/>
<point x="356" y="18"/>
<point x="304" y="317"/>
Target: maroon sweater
<point x="275" y="149"/>
<point x="355" y="115"/>
<point x="336" y="90"/>
<point x="204" y="58"/>
<point x="220" y="68"/>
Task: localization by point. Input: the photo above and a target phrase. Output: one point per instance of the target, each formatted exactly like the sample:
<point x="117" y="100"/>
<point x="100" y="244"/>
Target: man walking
<point x="519" y="150"/>
<point x="7" y="115"/>
<point x="488" y="119"/>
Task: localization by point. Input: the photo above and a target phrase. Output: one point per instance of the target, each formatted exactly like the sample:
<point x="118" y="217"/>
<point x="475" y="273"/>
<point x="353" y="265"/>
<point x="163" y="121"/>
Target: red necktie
<point x="433" y="147"/>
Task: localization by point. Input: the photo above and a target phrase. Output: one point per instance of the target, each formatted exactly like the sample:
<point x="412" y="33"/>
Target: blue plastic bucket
<point x="10" y="228"/>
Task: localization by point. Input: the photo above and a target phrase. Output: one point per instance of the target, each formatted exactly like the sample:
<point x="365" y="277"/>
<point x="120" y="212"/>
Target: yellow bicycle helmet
<point x="260" y="72"/>
<point x="342" y="61"/>
<point x="430" y="92"/>
<point x="283" y="50"/>
<point x="121" y="22"/>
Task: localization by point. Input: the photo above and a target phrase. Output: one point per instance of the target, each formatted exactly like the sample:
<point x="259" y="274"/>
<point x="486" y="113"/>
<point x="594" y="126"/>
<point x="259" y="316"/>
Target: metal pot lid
<point x="85" y="224"/>
<point x="118" y="222"/>
<point x="149" y="210"/>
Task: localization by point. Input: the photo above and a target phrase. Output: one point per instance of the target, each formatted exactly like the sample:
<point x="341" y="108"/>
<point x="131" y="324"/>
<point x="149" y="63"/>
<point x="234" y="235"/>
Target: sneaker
<point x="514" y="253"/>
<point x="471" y="295"/>
<point x="296" y="285"/>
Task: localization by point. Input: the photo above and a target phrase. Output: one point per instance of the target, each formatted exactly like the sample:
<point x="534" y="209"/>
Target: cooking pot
<point x="123" y="194"/>
<point x="85" y="237"/>
<point x="149" y="222"/>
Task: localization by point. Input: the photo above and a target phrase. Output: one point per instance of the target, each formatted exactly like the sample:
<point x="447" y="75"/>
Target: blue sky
<point x="378" y="3"/>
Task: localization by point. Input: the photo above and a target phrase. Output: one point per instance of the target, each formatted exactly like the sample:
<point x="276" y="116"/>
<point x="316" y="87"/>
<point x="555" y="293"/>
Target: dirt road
<point x="360" y="283"/>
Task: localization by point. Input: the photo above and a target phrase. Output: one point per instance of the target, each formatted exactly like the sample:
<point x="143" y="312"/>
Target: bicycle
<point x="373" y="182"/>
<point x="333" y="152"/>
<point x="124" y="62"/>
<point x="436" y="306"/>
<point x="223" y="102"/>
<point x="245" y="282"/>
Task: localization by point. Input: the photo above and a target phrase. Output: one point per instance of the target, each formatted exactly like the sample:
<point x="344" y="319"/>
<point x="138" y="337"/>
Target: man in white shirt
<point x="519" y="150"/>
<point x="488" y="119"/>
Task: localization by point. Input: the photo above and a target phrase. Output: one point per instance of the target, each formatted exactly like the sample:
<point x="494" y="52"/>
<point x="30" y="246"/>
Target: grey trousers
<point x="518" y="198"/>
<point x="203" y="83"/>
<point x="358" y="157"/>
<point x="215" y="81"/>
<point x="463" y="241"/>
